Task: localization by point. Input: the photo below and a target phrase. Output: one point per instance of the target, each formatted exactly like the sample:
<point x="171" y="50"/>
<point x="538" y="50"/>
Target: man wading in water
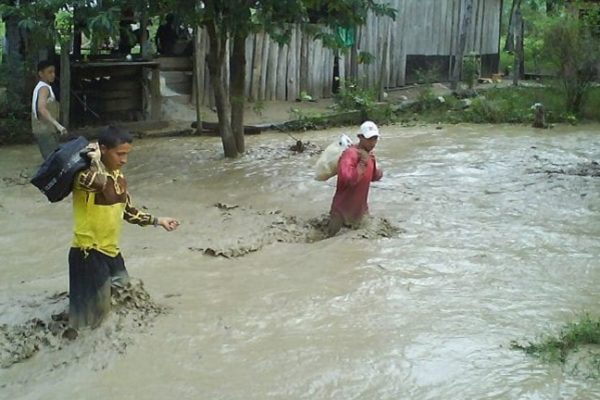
<point x="45" y="110"/>
<point x="100" y="203"/>
<point x="355" y="172"/>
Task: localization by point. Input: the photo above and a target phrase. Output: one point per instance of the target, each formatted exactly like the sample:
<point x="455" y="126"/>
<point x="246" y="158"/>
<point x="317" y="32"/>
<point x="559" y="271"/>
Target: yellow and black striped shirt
<point x="100" y="203"/>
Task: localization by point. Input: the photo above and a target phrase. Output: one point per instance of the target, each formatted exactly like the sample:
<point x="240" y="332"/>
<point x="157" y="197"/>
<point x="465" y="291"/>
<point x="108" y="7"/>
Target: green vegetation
<point x="354" y="97"/>
<point x="15" y="122"/>
<point x="556" y="348"/>
<point x="305" y="121"/>
<point x="2" y="33"/>
<point x="495" y="105"/>
<point x="506" y="105"/>
<point x="301" y="121"/>
<point x="573" y="52"/>
<point x="426" y="99"/>
<point x="471" y="68"/>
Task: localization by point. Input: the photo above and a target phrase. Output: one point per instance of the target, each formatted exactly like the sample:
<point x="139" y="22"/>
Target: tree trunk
<point x="521" y="46"/>
<point x="509" y="45"/>
<point x="237" y="70"/>
<point x="518" y="48"/>
<point x="462" y="42"/>
<point x="216" y="59"/>
<point x="65" y="83"/>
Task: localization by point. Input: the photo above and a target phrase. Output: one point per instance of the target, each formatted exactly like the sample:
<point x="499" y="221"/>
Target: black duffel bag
<point x="55" y="177"/>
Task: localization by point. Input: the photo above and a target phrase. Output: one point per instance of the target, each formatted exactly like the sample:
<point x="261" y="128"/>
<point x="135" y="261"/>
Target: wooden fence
<point x="425" y="33"/>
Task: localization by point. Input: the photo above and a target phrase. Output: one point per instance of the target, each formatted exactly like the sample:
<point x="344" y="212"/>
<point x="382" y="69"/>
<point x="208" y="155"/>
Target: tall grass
<point x="556" y="348"/>
<point x="511" y="105"/>
<point x="585" y="331"/>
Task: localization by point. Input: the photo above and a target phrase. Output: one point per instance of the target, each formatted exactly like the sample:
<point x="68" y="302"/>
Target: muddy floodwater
<point x="480" y="235"/>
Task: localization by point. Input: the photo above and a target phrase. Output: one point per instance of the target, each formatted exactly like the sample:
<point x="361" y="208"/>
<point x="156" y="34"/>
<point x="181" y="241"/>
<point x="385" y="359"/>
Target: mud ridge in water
<point x="18" y="180"/>
<point x="132" y="310"/>
<point x="278" y="153"/>
<point x="591" y="169"/>
<point x="259" y="228"/>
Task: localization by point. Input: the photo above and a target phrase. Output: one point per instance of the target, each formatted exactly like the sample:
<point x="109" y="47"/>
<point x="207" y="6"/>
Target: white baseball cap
<point x="369" y="130"/>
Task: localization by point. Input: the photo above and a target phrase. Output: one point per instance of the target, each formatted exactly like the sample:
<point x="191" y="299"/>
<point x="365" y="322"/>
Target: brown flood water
<point x="489" y="249"/>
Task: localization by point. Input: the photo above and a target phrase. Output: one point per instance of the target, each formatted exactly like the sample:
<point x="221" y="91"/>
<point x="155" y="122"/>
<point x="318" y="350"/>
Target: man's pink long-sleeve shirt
<point x="353" y="180"/>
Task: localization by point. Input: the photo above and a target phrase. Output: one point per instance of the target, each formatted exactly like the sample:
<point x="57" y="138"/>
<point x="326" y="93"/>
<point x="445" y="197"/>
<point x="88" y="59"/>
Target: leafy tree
<point x="230" y="22"/>
<point x="574" y="52"/>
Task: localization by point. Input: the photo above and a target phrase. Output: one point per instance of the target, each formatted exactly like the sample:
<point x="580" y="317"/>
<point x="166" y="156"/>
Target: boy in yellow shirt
<point x="100" y="203"/>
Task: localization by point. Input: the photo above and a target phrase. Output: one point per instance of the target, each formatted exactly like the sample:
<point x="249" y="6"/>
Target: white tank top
<point x="36" y="93"/>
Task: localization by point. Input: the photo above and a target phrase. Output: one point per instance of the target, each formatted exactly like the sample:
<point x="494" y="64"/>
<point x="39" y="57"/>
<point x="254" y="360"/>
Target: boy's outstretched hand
<point x="170" y="224"/>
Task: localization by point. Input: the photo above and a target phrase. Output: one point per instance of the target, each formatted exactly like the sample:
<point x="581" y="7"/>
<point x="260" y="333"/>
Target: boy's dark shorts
<point x="91" y="274"/>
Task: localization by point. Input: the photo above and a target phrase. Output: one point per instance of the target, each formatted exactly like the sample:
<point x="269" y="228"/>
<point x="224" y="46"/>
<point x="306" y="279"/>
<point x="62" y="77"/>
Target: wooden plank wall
<point x="422" y="27"/>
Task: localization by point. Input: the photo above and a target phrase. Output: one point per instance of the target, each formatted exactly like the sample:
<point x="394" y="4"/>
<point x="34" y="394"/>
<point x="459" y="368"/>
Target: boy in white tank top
<point x="45" y="111"/>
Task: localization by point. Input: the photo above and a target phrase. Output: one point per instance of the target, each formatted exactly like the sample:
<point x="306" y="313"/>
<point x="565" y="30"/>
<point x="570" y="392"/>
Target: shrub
<point x="573" y="52"/>
<point x="353" y="97"/>
<point x="15" y="120"/>
<point x="471" y="68"/>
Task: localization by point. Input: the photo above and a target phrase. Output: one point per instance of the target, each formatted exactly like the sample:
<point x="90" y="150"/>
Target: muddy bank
<point x="133" y="309"/>
<point x="252" y="230"/>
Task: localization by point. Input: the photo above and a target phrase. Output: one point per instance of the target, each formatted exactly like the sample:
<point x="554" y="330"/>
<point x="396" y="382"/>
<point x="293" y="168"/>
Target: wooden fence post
<point x="198" y="77"/>
<point x="65" y="82"/>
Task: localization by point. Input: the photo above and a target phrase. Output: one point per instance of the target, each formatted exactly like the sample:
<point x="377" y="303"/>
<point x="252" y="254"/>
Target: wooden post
<point x="262" y="92"/>
<point x="155" y="93"/>
<point x="143" y="39"/>
<point x="304" y="64"/>
<point x="384" y="72"/>
<point x="77" y="35"/>
<point x="198" y="77"/>
<point x="462" y="42"/>
<point x="256" y="66"/>
<point x="518" y="53"/>
<point x="292" y="87"/>
<point x="65" y="83"/>
<point x="354" y="58"/>
<point x="272" y="71"/>
<point x="282" y="77"/>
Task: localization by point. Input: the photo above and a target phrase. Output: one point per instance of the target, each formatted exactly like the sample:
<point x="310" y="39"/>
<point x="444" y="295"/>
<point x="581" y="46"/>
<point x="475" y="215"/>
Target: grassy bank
<point x="574" y="335"/>
<point x="495" y="105"/>
<point x="503" y="105"/>
<point x="491" y="105"/>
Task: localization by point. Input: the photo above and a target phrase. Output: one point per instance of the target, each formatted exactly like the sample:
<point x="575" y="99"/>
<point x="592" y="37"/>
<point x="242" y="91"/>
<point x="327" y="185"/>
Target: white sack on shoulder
<point x="326" y="166"/>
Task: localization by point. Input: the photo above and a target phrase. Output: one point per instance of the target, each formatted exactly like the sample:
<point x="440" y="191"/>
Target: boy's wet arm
<point x="135" y="216"/>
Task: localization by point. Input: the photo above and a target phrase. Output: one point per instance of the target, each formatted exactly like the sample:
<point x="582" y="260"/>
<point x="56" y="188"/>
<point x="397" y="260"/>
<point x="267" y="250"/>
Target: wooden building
<point x="423" y="37"/>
